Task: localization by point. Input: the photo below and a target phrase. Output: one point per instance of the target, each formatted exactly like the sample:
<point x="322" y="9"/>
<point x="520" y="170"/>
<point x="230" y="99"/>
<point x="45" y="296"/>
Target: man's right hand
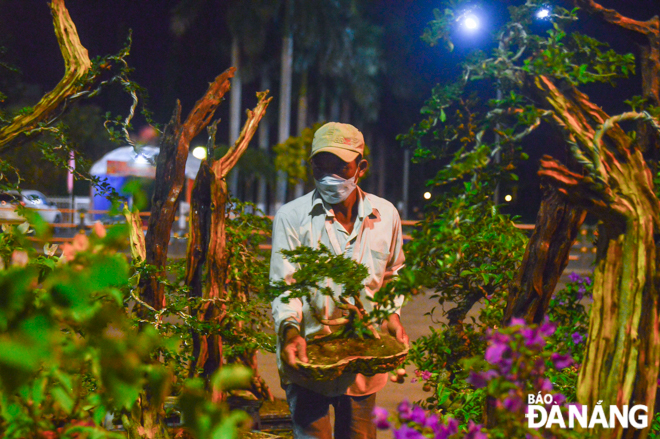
<point x="294" y="347"/>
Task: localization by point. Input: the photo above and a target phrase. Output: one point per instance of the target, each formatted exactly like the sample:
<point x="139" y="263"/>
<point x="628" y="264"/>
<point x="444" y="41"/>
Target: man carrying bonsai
<point x="348" y="221"/>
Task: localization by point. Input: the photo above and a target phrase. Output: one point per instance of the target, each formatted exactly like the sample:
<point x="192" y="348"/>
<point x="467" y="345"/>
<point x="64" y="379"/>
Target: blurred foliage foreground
<point x="73" y="350"/>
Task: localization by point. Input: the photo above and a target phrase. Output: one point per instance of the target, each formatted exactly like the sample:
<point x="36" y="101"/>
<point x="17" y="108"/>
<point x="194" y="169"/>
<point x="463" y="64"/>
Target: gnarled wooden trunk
<point x="623" y="349"/>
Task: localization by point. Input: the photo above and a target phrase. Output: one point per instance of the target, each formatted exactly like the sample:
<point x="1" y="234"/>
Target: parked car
<point x="34" y="200"/>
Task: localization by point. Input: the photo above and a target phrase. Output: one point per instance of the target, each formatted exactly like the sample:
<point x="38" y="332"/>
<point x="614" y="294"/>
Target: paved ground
<point x="416" y="324"/>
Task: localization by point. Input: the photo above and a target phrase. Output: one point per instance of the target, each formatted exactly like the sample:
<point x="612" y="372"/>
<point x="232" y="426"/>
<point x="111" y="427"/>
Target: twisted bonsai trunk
<point x="207" y="255"/>
<point x="623" y="349"/>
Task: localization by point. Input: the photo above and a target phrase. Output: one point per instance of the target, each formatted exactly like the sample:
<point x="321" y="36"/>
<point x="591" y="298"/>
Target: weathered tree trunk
<point x="170" y="176"/>
<point x="546" y="256"/>
<point x="76" y="68"/>
<point x="147" y="417"/>
<point x="622" y="359"/>
<point x="207" y="246"/>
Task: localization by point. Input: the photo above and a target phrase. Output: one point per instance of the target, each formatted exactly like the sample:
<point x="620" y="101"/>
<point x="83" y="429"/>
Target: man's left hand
<point x="395" y="328"/>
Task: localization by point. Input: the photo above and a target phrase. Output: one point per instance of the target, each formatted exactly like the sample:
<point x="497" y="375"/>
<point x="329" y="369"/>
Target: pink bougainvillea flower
<point x="68" y="252"/>
<point x="80" y="243"/>
<point x="99" y="229"/>
<point x="426" y="375"/>
<point x="19" y="258"/>
<point x="380" y="418"/>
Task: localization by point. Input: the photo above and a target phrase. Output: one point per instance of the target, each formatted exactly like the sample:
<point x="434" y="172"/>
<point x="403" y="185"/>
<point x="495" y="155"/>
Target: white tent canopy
<point x="138" y="164"/>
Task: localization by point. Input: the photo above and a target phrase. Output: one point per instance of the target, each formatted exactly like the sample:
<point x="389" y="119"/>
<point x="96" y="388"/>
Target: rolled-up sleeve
<point x="397" y="258"/>
<point x="285" y="237"/>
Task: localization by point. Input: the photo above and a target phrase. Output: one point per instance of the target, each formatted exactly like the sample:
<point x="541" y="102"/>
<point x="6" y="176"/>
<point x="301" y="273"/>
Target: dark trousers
<point x="310" y="412"/>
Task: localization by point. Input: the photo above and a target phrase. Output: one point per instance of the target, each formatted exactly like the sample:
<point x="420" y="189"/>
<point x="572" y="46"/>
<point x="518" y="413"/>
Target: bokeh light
<point x="199" y="152"/>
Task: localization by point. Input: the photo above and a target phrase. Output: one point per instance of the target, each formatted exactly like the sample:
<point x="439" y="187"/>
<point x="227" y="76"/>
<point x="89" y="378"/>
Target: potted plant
<point x="355" y="344"/>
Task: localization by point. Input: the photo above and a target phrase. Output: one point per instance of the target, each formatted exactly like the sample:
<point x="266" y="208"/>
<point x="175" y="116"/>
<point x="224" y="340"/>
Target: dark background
<point x="172" y="66"/>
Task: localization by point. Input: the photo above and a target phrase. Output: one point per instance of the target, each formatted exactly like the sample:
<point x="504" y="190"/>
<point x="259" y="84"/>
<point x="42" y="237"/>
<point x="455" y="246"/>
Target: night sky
<point x="174" y="67"/>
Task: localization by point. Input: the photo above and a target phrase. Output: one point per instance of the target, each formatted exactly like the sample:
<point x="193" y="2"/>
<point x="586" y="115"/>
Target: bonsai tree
<point x="608" y="172"/>
<point x="316" y="266"/>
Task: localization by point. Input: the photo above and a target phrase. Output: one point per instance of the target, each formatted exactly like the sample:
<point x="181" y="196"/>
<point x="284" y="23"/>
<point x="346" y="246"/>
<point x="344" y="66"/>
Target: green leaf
<point x="233" y="377"/>
<point x="63" y="398"/>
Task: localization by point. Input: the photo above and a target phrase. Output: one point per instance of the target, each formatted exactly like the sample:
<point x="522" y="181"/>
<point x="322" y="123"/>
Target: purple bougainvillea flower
<point x="577" y="338"/>
<point x="444" y="431"/>
<point x="559" y="398"/>
<point x="433" y="423"/>
<point x="574" y="277"/>
<point x="515" y="321"/>
<point x="474" y="431"/>
<point x="533" y="337"/>
<point x="546" y="329"/>
<point x="587" y="280"/>
<point x="418" y="415"/>
<point x="512" y="403"/>
<point x="561" y="361"/>
<point x="380" y="418"/>
<point x="426" y="375"/>
<point x="413" y="380"/>
<point x="480" y="379"/>
<point x="404" y="409"/>
<point x="546" y="385"/>
<point x="495" y="351"/>
<point x="405" y="432"/>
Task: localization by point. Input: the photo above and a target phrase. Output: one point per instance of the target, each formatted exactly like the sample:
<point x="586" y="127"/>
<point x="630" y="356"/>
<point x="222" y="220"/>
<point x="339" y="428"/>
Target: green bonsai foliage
<point x="315" y="267"/>
<point x="465" y="251"/>
<point x="244" y="326"/>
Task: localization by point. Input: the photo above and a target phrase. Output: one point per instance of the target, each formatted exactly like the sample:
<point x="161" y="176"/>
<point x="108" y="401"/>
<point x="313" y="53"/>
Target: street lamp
<point x="469" y="20"/>
<point x="543" y="13"/>
<point x="199" y="152"/>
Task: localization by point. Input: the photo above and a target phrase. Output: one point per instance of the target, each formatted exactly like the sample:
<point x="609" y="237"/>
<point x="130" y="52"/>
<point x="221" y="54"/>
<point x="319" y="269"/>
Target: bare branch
<point x="649" y="27"/>
<point x="76" y="64"/>
<point x="224" y="165"/>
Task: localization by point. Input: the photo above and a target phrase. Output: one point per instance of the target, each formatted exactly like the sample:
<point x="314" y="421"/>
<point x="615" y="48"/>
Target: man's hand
<point x="294" y="346"/>
<point x="395" y="328"/>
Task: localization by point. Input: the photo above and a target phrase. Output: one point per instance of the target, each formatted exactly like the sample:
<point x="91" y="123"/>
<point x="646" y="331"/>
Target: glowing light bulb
<point x="471" y="22"/>
<point x="199" y="152"/>
<point x="543" y="13"/>
<point x="508" y="198"/>
<point x="427" y="195"/>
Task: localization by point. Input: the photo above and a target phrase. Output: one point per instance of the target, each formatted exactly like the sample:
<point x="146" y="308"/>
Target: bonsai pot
<point x="330" y="357"/>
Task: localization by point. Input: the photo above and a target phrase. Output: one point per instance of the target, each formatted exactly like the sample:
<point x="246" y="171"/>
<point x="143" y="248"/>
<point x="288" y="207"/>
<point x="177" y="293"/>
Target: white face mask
<point x="334" y="189"/>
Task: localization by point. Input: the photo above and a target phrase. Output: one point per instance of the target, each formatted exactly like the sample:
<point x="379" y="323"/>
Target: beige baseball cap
<point x="341" y="139"/>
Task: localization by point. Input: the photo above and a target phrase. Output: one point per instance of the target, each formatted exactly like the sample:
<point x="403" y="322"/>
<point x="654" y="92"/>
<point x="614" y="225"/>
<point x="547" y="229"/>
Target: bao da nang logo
<point x="538" y="416"/>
